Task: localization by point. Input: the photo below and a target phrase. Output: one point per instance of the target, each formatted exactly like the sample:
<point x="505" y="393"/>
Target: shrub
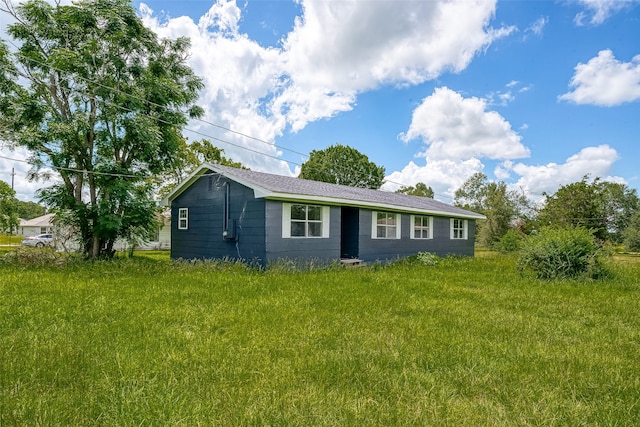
<point x="510" y="242"/>
<point x="427" y="258"/>
<point x="562" y="253"/>
<point x="37" y="257"/>
<point x="632" y="233"/>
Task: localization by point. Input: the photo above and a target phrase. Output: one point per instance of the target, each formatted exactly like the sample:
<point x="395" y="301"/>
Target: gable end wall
<point x="203" y="239"/>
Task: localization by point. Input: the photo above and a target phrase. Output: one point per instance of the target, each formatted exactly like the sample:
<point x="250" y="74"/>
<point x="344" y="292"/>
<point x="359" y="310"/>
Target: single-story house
<point x="223" y="212"/>
<point x="40" y="225"/>
<point x="66" y="237"/>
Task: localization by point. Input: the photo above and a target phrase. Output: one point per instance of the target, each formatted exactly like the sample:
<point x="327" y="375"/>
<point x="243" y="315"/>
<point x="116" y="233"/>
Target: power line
<point x="119" y="92"/>
<point x="115" y="90"/>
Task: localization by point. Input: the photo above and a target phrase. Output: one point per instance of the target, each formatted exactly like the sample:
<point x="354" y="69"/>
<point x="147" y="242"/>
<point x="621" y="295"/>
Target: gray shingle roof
<point x="281" y="187"/>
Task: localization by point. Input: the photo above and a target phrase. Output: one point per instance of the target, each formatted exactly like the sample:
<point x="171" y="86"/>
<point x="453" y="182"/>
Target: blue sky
<point x="534" y="93"/>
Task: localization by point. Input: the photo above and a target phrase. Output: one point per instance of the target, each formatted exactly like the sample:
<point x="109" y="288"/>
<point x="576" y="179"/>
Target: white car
<point x="39" y="241"/>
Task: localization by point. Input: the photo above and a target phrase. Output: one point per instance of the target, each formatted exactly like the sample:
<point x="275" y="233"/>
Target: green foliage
<point x="510" y="242"/>
<point x="102" y="104"/>
<point x="632" y="233"/>
<point x="188" y="158"/>
<point x="619" y="204"/>
<point x="427" y="258"/>
<point x="9" y="220"/>
<point x="30" y="210"/>
<point x="37" y="257"/>
<point x="10" y="239"/>
<point x="420" y="189"/>
<point x="603" y="207"/>
<point x="469" y="342"/>
<point x="492" y="199"/>
<point x="339" y="164"/>
<point x="554" y="253"/>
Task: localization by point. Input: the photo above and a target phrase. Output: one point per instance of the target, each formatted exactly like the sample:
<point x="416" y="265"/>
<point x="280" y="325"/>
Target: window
<point x="422" y="227"/>
<point x="458" y="228"/>
<point x="183" y="218"/>
<point x="385" y="225"/>
<point x="305" y="220"/>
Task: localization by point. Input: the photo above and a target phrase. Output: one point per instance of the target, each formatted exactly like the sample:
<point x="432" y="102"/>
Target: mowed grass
<point x="470" y="342"/>
<point x="6" y="239"/>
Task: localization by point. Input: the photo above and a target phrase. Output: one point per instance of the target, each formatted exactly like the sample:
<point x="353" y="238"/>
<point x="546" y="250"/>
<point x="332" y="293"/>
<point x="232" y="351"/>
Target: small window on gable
<point x="458" y="229"/>
<point x="183" y="218"/>
<point x="385" y="225"/>
<point x="422" y="227"/>
<point x="300" y="220"/>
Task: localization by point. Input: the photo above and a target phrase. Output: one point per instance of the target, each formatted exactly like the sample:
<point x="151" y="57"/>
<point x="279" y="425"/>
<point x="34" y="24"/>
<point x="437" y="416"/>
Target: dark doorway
<point x="349" y="232"/>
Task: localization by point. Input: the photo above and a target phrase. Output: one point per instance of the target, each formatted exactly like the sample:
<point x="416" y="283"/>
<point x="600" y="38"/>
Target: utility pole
<point x="13" y="174"/>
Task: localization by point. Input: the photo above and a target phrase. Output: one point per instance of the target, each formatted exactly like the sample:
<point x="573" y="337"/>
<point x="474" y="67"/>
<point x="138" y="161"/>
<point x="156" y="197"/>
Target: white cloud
<point x="355" y="45"/>
<point x="605" y="81"/>
<point x="601" y="10"/>
<point x="444" y="176"/>
<point x="538" y="26"/>
<point x="458" y="128"/>
<point x="14" y="161"/>
<point x="335" y="51"/>
<point x="593" y="161"/>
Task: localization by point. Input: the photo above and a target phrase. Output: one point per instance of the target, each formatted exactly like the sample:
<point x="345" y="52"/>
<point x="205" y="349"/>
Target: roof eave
<point x="261" y="192"/>
<point x="186" y="183"/>
<point x="364" y="204"/>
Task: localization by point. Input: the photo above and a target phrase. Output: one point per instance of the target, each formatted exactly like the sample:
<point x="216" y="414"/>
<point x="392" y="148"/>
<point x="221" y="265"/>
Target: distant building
<point x="40" y="225"/>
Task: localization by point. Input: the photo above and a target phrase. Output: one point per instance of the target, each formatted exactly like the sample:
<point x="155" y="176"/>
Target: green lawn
<point x="6" y="239"/>
<point x="469" y="342"/>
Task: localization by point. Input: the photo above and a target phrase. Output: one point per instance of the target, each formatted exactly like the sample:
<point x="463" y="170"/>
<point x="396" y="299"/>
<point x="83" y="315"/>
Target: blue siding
<point x="301" y="250"/>
<point x="261" y="243"/>
<point x="372" y="250"/>
<point x="205" y="200"/>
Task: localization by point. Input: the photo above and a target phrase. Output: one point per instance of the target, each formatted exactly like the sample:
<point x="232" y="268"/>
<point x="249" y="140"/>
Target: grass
<point x="6" y="239"/>
<point x="468" y="342"/>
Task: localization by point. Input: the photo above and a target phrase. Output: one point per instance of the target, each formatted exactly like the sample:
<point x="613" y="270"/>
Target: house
<point x="223" y="212"/>
<point x="66" y="237"/>
<point x="33" y="227"/>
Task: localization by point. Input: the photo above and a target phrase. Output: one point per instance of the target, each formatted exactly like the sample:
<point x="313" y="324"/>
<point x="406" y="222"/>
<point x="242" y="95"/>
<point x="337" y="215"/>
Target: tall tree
<point x="632" y="233"/>
<point x="340" y="164"/>
<point x="102" y="104"/>
<point x="420" y="189"/>
<point x="604" y="207"/>
<point x="492" y="199"/>
<point x="9" y="220"/>
<point x="578" y="204"/>
<point x="30" y="210"/>
<point x="619" y="204"/>
<point x="188" y="158"/>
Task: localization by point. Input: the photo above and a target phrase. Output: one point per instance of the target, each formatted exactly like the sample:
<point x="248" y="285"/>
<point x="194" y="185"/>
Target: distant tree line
<point x="610" y="211"/>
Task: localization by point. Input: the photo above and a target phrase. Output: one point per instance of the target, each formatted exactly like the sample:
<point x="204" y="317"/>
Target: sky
<point x="537" y="94"/>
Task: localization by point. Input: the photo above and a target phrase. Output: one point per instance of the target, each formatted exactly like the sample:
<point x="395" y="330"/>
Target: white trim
<point x="262" y="192"/>
<point x="326" y="219"/>
<point x="412" y="227"/>
<point x="465" y="229"/>
<point x="286" y="221"/>
<point x="186" y="218"/>
<point x="374" y="225"/>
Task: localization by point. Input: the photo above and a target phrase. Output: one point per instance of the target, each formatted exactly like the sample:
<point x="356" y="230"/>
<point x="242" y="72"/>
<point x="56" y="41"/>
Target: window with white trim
<point x="458" y="229"/>
<point x="422" y="227"/>
<point x="183" y="218"/>
<point x="300" y="221"/>
<point x="385" y="225"/>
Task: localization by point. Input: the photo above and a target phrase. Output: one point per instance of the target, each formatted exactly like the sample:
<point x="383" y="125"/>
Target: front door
<point x="349" y="232"/>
